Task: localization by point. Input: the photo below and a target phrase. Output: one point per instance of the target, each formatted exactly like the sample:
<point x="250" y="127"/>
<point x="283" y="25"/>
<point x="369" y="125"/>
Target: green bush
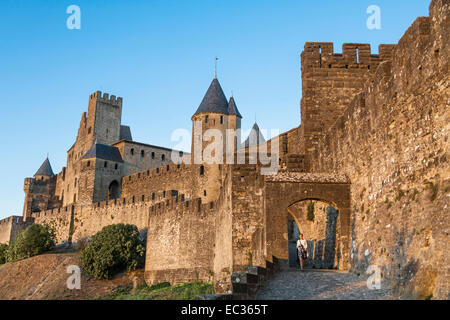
<point x="3" y="250"/>
<point x="34" y="240"/>
<point x="113" y="249"/>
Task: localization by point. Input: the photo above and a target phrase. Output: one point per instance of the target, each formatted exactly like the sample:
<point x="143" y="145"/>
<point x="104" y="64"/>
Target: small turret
<point x="234" y="122"/>
<point x="45" y="171"/>
<point x="232" y="108"/>
<point x="255" y="137"/>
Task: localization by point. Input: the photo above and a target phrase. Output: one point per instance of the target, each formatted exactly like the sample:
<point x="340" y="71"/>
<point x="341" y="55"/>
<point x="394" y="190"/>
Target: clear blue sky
<point x="159" y="56"/>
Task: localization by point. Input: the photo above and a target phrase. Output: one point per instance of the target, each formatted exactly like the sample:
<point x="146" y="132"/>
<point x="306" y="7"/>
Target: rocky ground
<point x="319" y="285"/>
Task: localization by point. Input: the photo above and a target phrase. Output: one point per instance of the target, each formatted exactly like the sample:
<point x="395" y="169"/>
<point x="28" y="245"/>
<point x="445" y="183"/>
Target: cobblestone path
<point x="319" y="285"/>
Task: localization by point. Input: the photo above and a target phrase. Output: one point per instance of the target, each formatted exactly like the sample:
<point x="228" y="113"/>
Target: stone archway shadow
<point x="287" y="188"/>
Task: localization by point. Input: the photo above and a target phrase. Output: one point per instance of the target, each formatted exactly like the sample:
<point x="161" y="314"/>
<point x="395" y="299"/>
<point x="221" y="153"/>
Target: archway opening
<point x="114" y="190"/>
<point x="318" y="222"/>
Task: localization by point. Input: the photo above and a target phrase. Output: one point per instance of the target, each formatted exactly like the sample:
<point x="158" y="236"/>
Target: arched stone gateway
<point x="288" y="188"/>
<point x="114" y="190"/>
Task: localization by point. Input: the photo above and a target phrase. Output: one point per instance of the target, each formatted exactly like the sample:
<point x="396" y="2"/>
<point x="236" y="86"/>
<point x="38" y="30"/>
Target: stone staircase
<point x="246" y="284"/>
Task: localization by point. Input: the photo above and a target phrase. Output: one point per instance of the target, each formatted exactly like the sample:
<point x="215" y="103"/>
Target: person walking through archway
<point x="302" y="247"/>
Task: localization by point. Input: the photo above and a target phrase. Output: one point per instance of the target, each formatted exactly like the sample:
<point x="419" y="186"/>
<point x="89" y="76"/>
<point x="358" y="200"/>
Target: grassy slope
<point x="161" y="291"/>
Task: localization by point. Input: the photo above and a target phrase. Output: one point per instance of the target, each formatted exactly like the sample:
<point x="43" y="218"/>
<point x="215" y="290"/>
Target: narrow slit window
<point x="320" y="56"/>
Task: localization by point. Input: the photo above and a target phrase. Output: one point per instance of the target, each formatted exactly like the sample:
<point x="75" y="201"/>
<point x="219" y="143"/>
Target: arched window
<point x="106" y="164"/>
<point x="153" y="155"/>
<point x="202" y="170"/>
<point x="142" y="153"/>
<point x="206" y="119"/>
<point x="132" y="151"/>
<point x="116" y="166"/>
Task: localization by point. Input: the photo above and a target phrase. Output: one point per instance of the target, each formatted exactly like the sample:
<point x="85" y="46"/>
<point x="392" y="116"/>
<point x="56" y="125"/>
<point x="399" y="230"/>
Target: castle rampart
<point x="391" y="142"/>
<point x="373" y="142"/>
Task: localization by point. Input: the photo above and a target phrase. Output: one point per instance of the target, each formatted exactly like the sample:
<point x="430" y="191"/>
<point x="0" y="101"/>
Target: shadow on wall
<point x="322" y="253"/>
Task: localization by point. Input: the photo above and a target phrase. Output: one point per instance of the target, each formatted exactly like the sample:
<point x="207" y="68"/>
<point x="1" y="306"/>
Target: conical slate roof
<point x="45" y="169"/>
<point x="232" y="108"/>
<point x="254" y="138"/>
<point x="214" y="100"/>
<point x="103" y="151"/>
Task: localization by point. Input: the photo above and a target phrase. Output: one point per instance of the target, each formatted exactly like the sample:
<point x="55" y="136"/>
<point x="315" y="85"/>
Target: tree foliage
<point x="34" y="240"/>
<point x="113" y="249"/>
<point x="3" y="250"/>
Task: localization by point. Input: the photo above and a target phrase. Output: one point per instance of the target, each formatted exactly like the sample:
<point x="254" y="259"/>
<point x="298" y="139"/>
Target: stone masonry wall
<point x="223" y="248"/>
<point x="329" y="82"/>
<point x="59" y="219"/>
<point x="11" y="226"/>
<point x="5" y="230"/>
<point x="248" y="219"/>
<point x="180" y="242"/>
<point x="393" y="143"/>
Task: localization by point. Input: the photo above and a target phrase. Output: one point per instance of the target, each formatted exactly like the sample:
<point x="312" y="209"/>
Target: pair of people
<point x="302" y="247"/>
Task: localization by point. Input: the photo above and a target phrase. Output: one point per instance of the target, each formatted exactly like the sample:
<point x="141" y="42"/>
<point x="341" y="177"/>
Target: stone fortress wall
<point x="380" y="121"/>
<point x="392" y="142"/>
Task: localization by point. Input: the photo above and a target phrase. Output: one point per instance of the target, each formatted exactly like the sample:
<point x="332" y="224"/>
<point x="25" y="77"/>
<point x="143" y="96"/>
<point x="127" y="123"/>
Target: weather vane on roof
<point x="215" y="68"/>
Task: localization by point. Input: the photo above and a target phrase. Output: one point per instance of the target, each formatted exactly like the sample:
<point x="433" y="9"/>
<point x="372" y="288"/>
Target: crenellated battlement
<point x="50" y="212"/>
<point x="354" y="55"/>
<point x="181" y="207"/>
<point x="168" y="170"/>
<point x="18" y="220"/>
<point x="15" y="219"/>
<point x="106" y="98"/>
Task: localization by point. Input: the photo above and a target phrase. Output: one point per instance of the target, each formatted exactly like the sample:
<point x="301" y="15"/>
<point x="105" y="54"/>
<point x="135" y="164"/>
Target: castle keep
<point x="373" y="145"/>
